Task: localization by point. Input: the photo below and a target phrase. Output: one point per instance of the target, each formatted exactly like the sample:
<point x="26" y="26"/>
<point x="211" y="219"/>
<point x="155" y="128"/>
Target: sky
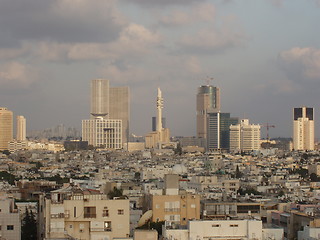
<point x="264" y="55"/>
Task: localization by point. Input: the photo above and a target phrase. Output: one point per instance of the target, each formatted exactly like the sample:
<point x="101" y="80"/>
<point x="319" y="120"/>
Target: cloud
<point x="200" y="12"/>
<point x="134" y="41"/>
<point x="303" y="62"/>
<point x="162" y="3"/>
<point x="15" y="75"/>
<point x="60" y="20"/>
<point x="212" y="39"/>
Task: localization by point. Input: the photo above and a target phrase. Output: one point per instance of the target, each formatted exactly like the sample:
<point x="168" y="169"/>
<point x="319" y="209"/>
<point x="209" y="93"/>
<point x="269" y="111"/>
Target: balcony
<point x="90" y="215"/>
<point x="172" y="209"/>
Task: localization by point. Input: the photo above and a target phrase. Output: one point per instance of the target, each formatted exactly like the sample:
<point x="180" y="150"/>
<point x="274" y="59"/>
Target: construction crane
<point x="268" y="126"/>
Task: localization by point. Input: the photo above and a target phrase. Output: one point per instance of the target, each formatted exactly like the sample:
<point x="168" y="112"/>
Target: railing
<point x="57" y="215"/>
<point x="172" y="209"/>
<point x="90" y="215"/>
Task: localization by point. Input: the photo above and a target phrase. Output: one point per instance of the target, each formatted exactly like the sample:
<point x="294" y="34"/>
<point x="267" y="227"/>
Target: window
<point x="120" y="211"/>
<point x="70" y="226"/>
<point x="107" y="226"/>
<point x="10" y="227"/>
<point x="105" y="212"/>
<point x="215" y="225"/>
<point x="234" y="225"/>
<point x="90" y="212"/>
<point x="74" y="212"/>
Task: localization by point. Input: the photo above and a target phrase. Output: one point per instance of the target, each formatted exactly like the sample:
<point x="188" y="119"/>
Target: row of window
<point x="9" y="227"/>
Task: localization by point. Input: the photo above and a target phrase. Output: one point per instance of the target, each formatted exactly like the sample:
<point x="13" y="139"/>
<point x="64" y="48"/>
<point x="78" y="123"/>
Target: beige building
<point x="6" y="128"/>
<point x="208" y="100"/>
<point x="75" y="213"/>
<point x="178" y="209"/>
<point x="106" y="133"/>
<point x="303" y="128"/>
<point x="244" y="136"/>
<point x="21" y="128"/>
<point x="119" y="108"/>
<point x="10" y="225"/>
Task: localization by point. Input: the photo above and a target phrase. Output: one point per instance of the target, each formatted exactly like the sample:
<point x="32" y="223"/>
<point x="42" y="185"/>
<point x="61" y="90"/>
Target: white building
<point x="21" y="128"/>
<point x="244" y="136"/>
<point x="106" y="133"/>
<point x="303" y="128"/>
<point x="222" y="229"/>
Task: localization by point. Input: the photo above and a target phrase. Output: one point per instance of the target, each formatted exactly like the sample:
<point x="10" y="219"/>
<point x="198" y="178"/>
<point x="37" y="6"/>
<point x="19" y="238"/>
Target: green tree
<point x="115" y="193"/>
<point x="238" y="173"/>
<point x="29" y="226"/>
<point x="313" y="177"/>
<point x="4" y="175"/>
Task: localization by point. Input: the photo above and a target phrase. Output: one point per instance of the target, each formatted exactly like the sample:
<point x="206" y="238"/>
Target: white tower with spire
<point x="159" y="110"/>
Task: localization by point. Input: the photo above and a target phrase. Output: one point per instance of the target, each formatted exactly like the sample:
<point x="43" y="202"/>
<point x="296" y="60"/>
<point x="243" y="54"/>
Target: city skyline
<point x="51" y="51"/>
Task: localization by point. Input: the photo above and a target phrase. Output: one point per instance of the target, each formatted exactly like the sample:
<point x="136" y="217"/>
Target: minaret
<point x="159" y="111"/>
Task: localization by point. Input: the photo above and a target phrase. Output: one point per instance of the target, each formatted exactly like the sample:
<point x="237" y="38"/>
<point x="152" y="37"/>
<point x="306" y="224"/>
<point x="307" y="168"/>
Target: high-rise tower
<point x="119" y="108"/>
<point x="21" y="128"/>
<point x="99" y="98"/>
<point x="208" y="101"/>
<point x="303" y="128"/>
<point x="109" y="123"/>
<point x="6" y="128"/>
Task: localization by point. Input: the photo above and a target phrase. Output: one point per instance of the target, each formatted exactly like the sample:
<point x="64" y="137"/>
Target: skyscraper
<point x="110" y="103"/>
<point x="303" y="128"/>
<point x="99" y="98"/>
<point x="6" y="128"/>
<point x="21" y="128"/>
<point x="244" y="136"/>
<point x="208" y="101"/>
<point x="218" y="133"/>
<point x="119" y="108"/>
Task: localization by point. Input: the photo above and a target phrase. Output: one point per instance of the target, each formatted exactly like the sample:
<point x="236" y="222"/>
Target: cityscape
<point x="159" y="120"/>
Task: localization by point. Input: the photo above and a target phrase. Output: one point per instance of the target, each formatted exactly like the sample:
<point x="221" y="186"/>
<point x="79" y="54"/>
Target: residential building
<point x="208" y="101"/>
<point x="244" y="136"/>
<point x="177" y="209"/>
<point x="303" y="128"/>
<point x="21" y="128"/>
<point x="222" y="229"/>
<point x="72" y="212"/>
<point x="218" y="130"/>
<point x="10" y="225"/>
<point x="6" y="128"/>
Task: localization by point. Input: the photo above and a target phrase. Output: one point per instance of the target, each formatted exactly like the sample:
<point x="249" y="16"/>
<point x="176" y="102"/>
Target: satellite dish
<point x="145" y="218"/>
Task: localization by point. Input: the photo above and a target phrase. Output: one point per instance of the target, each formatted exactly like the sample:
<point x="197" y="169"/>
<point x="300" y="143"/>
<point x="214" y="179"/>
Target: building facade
<point x="105" y="133"/>
<point x="218" y="130"/>
<point x="119" y="108"/>
<point x="244" y="136"/>
<point x="6" y="128"/>
<point x="73" y="213"/>
<point x="21" y="128"/>
<point x="208" y="100"/>
<point x="303" y="128"/>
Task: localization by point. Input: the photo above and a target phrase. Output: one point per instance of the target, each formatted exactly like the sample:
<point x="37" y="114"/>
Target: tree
<point x="238" y="173"/>
<point x="313" y="177"/>
<point x="29" y="226"/>
<point x="115" y="193"/>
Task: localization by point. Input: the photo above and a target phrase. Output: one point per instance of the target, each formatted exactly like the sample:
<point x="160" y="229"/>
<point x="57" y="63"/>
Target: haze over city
<point x="264" y="55"/>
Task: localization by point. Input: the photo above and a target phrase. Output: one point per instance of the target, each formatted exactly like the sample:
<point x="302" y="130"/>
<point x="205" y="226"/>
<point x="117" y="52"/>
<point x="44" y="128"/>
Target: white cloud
<point x="304" y="60"/>
<point x="17" y="75"/>
<point x="200" y="12"/>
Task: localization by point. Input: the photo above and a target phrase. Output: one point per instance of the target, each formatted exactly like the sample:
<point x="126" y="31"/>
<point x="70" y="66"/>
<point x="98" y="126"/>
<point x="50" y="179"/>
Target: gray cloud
<point x="162" y="3"/>
<point x="301" y="63"/>
<point x="59" y="20"/>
